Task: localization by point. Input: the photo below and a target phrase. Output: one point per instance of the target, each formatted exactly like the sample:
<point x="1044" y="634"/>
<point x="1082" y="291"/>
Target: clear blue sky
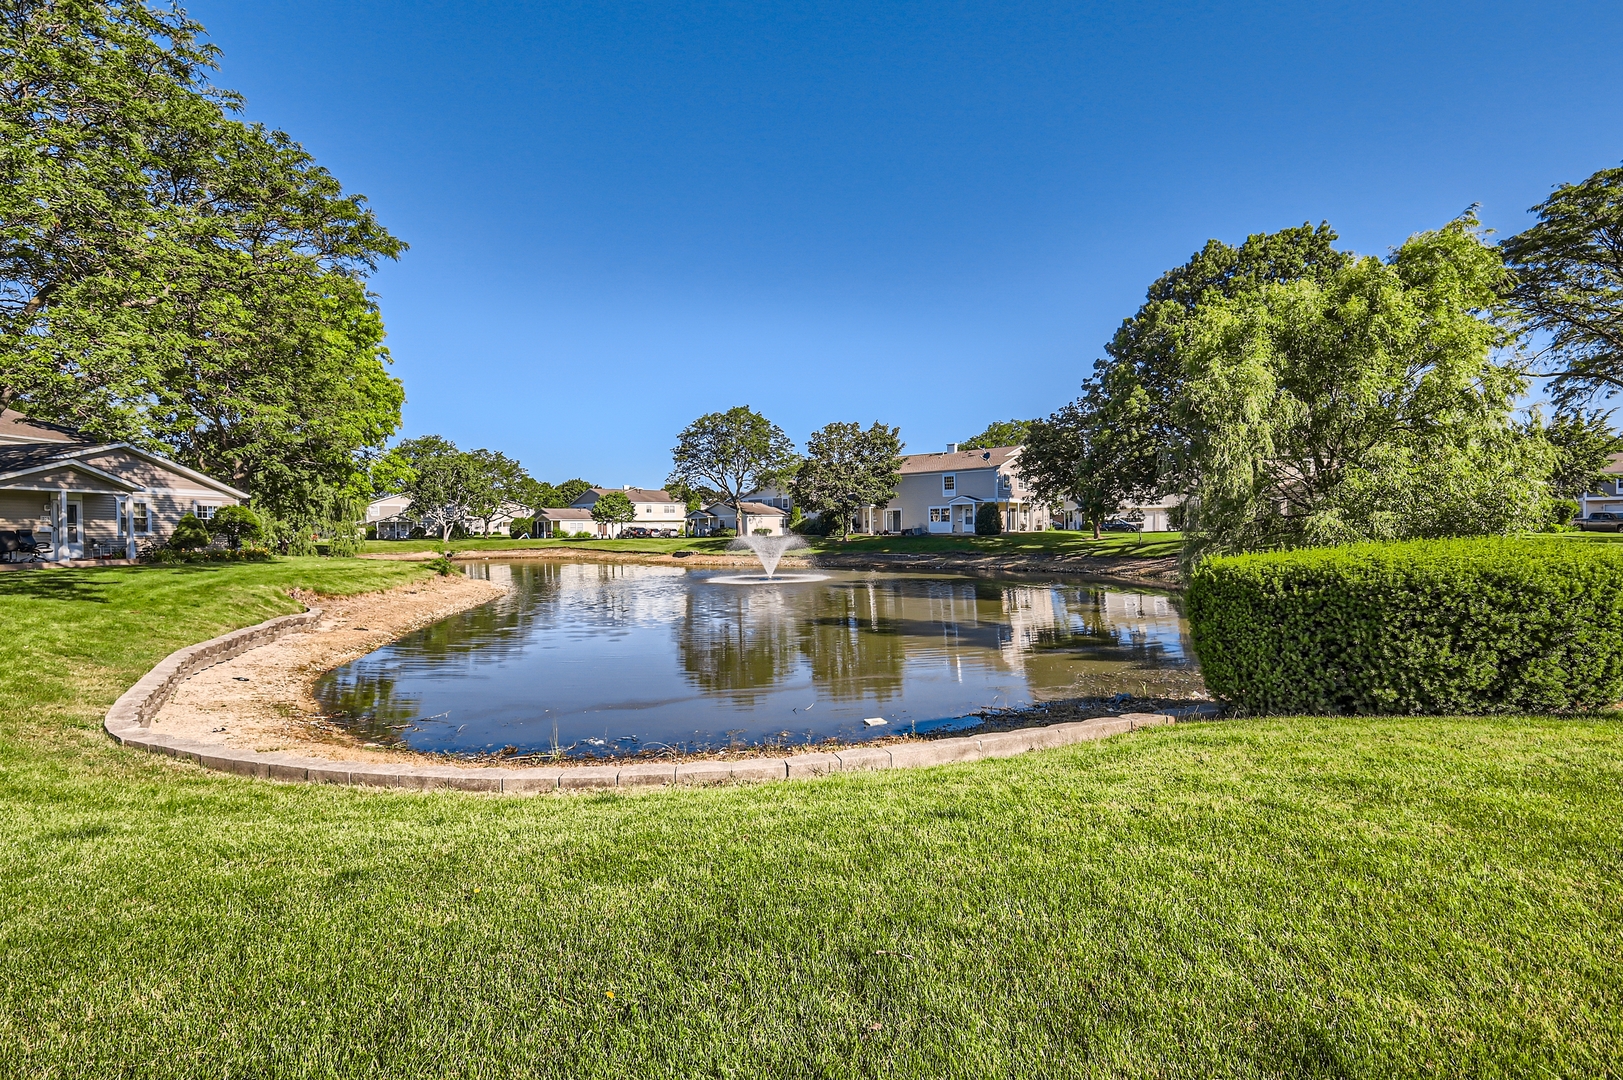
<point x="622" y="215"/>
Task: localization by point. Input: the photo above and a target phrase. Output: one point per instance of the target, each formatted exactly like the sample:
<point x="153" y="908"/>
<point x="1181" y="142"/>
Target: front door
<point x="73" y="529"/>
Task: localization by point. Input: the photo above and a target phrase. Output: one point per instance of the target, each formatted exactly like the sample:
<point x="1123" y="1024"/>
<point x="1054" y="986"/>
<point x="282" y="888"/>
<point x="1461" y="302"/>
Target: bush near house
<point x="988" y="520"/>
<point x="1421" y="627"/>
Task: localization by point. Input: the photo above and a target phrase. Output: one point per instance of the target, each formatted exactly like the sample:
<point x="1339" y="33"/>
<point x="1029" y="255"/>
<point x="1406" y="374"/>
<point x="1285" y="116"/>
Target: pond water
<point x="602" y="659"/>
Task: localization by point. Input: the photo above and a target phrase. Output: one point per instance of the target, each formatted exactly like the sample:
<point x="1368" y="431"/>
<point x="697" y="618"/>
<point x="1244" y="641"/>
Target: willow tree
<point x="1367" y="405"/>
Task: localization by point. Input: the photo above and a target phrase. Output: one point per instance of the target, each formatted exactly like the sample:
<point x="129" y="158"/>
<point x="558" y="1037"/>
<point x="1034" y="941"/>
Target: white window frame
<point x="949" y="483"/>
<point x="146" y="508"/>
<point x="203" y="511"/>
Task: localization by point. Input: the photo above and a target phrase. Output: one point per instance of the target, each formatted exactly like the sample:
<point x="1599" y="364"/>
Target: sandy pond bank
<point x="262" y="699"/>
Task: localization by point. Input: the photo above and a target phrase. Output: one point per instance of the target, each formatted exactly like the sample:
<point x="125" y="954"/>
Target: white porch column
<point x="59" y="520"/>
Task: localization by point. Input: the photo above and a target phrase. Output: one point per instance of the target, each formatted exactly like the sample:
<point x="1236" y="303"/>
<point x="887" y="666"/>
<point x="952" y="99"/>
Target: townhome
<point x="77" y="498"/>
<point x="1153" y="516"/>
<point x="655" y="510"/>
<point x="1609" y="499"/>
<point x="758" y="518"/>
<point x="942" y="493"/>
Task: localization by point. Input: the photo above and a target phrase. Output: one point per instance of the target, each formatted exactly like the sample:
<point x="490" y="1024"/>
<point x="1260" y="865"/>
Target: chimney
<point x="952" y="448"/>
<point x="626" y="488"/>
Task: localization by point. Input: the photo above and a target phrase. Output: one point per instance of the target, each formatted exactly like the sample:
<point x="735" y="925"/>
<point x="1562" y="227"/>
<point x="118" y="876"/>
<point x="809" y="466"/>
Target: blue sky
<point x="624" y="215"/>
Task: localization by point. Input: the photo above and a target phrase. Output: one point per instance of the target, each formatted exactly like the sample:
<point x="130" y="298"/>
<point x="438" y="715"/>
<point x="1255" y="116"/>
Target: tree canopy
<point x="613" y="507"/>
<point x="732" y="452"/>
<point x="1145" y="356"/>
<point x="847" y="468"/>
<point x="1569" y="284"/>
<point x="1360" y="404"/>
<point x="1582" y="445"/>
<point x="998" y="433"/>
<point x="439" y="479"/>
<point x="173" y="276"/>
<point x="1092" y="451"/>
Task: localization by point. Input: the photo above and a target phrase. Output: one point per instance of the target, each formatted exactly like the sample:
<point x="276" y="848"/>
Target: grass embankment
<point x="1053" y="543"/>
<point x="1249" y="898"/>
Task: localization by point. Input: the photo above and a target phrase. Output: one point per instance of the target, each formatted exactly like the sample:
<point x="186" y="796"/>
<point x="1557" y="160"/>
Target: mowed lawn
<point x="1053" y="542"/>
<point x="1367" y="898"/>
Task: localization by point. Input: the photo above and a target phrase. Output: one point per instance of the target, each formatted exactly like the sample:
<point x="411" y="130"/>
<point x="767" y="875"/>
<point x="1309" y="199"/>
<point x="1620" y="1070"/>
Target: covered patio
<point x="73" y="511"/>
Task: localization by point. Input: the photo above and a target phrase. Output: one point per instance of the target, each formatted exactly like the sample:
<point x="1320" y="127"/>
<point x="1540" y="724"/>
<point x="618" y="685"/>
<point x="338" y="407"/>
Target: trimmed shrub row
<point x="1422" y="627"/>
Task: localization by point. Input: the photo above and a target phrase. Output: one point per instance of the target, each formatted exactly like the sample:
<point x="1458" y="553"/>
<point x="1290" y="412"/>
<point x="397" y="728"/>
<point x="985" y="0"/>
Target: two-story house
<point x="656" y="510"/>
<point x="942" y="493"/>
<point x="1609" y="499"/>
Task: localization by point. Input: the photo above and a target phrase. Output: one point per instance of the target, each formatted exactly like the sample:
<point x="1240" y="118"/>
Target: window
<point x="202" y="512"/>
<point x="670" y="509"/>
<point x="140" y="518"/>
<point x="939" y="514"/>
<point x="949" y="483"/>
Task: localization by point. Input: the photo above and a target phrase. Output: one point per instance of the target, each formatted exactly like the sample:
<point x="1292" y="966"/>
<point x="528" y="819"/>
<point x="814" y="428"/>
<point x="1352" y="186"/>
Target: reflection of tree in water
<point x="855" y="637"/>
<point x="367" y="703"/>
<point x="855" y="643"/>
<point x="737" y="639"/>
<point x="494" y="630"/>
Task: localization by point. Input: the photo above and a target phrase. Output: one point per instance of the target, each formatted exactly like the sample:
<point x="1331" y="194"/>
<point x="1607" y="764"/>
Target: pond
<point x="606" y="659"/>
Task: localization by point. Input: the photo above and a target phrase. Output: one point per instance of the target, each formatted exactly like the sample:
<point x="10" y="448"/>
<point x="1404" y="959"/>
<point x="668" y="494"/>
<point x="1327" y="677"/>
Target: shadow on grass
<point x="87" y="584"/>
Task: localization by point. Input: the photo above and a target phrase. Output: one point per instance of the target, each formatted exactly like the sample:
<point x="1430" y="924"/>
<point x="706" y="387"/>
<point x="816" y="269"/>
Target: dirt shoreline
<point x="1154" y="573"/>
<point x="262" y="700"/>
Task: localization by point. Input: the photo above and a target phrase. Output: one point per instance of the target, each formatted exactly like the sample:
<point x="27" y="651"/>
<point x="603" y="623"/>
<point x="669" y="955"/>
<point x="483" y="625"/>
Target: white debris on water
<point x="875" y="721"/>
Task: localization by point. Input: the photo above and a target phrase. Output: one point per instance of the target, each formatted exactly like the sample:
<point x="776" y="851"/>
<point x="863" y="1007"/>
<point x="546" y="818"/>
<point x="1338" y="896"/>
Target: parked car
<point x="1121" y="525"/>
<point x="636" y="532"/>
<point x="1600" y="522"/>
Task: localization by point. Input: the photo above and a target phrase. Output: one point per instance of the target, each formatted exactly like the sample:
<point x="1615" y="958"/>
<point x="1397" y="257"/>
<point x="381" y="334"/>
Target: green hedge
<point x="1439" y="626"/>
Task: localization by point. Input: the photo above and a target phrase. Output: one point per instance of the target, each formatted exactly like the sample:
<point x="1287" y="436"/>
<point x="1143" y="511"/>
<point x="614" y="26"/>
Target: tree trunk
<point x="1097" y="535"/>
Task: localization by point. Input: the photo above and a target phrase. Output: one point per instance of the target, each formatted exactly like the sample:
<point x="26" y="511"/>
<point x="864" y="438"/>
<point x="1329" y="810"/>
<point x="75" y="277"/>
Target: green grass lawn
<point x="1052" y="542"/>
<point x="1339" y="898"/>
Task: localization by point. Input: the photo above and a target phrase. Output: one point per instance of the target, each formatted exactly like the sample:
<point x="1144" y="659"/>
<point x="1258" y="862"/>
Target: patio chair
<point x="27" y="545"/>
<point x="10" y="548"/>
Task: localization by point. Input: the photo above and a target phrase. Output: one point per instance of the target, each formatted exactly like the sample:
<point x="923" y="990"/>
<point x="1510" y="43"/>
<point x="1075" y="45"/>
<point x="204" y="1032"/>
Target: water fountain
<point x="768" y="549"/>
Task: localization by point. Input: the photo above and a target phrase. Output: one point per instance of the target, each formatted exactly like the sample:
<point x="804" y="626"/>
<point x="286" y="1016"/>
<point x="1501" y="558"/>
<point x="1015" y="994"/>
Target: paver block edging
<point x="128" y="723"/>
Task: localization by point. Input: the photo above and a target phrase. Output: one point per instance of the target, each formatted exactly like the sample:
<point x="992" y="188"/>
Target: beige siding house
<point x="655" y="510"/>
<point x="758" y="517"/>
<point x="82" y="499"/>
<point x="941" y="493"/>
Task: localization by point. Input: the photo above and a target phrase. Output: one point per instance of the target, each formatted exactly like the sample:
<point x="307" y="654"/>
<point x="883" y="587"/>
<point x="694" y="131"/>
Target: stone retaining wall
<point x="129" y="719"/>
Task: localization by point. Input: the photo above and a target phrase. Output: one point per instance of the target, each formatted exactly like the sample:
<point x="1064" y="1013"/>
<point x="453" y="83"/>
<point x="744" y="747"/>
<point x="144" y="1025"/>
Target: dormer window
<point x="949" y="483"/>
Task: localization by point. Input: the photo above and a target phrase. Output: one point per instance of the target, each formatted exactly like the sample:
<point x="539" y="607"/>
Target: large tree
<point x="176" y="277"/>
<point x="497" y="481"/>
<point x="1569" y="284"/>
<point x="441" y="481"/>
<point x="847" y="468"/>
<point x="613" y="508"/>
<point x="1582" y="445"/>
<point x="733" y="452"/>
<point x="1367" y="405"/>
<point x="1145" y="360"/>
<point x="1092" y="451"/>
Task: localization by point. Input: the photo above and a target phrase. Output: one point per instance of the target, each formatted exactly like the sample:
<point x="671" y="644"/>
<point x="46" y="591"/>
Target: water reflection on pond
<point x="602" y="658"/>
